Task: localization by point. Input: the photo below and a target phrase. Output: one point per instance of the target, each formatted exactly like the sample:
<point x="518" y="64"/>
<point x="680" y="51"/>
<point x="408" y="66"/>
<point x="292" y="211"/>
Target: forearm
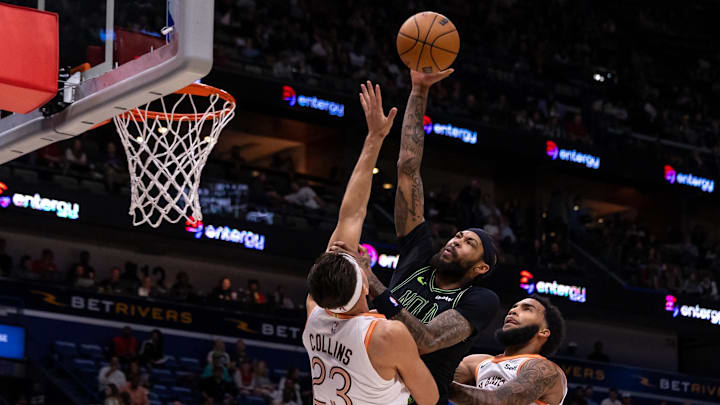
<point x="357" y="193"/>
<point x="409" y="198"/>
<point x="421" y="333"/>
<point x="462" y="394"/>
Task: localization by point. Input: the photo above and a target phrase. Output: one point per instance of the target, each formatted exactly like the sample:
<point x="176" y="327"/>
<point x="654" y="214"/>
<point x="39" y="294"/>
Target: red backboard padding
<point x="29" y="49"/>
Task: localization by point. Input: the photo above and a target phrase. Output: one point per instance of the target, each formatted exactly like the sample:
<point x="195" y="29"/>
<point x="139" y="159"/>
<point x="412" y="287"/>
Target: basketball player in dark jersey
<point x="433" y="293"/>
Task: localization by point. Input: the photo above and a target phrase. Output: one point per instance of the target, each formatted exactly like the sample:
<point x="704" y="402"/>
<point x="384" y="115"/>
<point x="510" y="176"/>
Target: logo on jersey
<point x="510" y="367"/>
<point x="421" y="280"/>
<point x="442" y="297"/>
<point x="491" y="383"/>
<point x="333" y="327"/>
<point x="394" y="301"/>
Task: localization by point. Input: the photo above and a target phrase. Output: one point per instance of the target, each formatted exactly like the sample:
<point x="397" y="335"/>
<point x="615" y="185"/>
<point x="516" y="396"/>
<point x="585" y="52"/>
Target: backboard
<point x="136" y="52"/>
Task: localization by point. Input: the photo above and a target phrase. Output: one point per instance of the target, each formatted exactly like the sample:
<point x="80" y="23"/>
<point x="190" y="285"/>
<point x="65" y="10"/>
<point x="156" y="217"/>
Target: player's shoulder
<point x="543" y="366"/>
<point x="480" y="294"/>
<point x="475" y="359"/>
<point x="388" y="333"/>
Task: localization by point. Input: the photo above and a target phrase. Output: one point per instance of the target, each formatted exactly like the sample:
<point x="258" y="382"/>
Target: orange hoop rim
<point x="194" y="89"/>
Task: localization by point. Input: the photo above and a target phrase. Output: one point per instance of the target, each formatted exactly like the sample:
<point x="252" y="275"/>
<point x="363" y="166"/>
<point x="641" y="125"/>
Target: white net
<point x="167" y="151"/>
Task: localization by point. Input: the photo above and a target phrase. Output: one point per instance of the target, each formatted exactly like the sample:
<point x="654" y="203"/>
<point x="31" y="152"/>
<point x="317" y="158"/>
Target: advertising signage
<point x="294" y="99"/>
<point x="463" y="134"/>
<point x="247" y="239"/>
<point x="37" y="202"/>
<point x="709" y="315"/>
<point x="553" y="151"/>
<point x="572" y="292"/>
<point x="672" y="176"/>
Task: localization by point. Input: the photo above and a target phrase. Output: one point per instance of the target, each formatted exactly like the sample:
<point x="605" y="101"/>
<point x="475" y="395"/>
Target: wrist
<point x="420" y="89"/>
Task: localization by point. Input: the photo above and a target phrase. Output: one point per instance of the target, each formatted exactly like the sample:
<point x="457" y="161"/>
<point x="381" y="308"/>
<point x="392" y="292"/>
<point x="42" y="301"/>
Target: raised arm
<point x="357" y="193"/>
<point x="409" y="198"/>
<point x="393" y="347"/>
<point x="538" y="379"/>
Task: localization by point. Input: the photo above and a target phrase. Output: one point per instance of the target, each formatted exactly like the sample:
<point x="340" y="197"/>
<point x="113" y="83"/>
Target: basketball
<point x="428" y="42"/>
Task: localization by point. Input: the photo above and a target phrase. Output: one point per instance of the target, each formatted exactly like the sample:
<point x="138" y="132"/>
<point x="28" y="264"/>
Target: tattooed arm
<point x="409" y="198"/>
<point x="538" y="379"/>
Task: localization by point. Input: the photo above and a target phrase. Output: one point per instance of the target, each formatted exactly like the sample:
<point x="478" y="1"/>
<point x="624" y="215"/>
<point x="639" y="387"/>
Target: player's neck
<point x="444" y="282"/>
<point x="529" y="348"/>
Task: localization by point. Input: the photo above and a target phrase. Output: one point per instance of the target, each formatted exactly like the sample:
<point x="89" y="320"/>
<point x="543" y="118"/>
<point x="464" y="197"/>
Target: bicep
<point x="413" y="371"/>
<point x="465" y="372"/>
<point x="447" y="329"/>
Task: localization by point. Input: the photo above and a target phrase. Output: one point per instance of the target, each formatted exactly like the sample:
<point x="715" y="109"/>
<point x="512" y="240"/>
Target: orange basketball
<point x="428" y="42"/>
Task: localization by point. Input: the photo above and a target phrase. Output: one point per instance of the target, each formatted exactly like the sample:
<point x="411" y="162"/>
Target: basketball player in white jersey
<point x="358" y="357"/>
<point x="533" y="328"/>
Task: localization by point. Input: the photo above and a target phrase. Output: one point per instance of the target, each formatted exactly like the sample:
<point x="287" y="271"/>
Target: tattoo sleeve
<point x="409" y="198"/>
<point x="537" y="378"/>
<point x="447" y="329"/>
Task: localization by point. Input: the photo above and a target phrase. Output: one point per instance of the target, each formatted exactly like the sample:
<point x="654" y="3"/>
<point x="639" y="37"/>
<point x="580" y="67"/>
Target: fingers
<point x="378" y="95"/>
<point x="370" y="90"/>
<point x="391" y="116"/>
<point x="362" y="249"/>
<point x="363" y="103"/>
<point x="366" y="95"/>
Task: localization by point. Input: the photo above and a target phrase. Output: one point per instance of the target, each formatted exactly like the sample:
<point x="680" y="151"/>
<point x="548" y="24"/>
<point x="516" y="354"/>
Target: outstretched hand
<point x="361" y="255"/>
<point x="371" y="100"/>
<point x="428" y="79"/>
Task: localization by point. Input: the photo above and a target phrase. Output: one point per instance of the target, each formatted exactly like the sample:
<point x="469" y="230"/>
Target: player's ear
<point x="480" y="268"/>
<point x="545" y="332"/>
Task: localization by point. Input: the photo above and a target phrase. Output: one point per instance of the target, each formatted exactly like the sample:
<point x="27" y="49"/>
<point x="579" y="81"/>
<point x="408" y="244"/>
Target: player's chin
<point x="510" y="325"/>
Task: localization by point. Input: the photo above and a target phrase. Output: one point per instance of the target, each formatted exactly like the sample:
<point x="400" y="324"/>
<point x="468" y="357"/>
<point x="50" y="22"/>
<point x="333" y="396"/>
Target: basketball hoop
<point x="167" y="151"/>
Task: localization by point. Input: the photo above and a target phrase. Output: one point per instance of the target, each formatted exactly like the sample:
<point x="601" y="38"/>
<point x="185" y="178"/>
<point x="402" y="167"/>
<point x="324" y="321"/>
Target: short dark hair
<point x="556" y="324"/>
<point x="331" y="280"/>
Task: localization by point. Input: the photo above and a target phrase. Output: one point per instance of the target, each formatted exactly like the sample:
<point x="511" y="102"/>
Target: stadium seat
<point x="152" y="396"/>
<point x="161" y="391"/>
<point x="183" y="394"/>
<point x="67" y="182"/>
<point x="190" y="364"/>
<point x="66" y="348"/>
<point x="92" y="351"/>
<point x="162" y="376"/>
<point x="84" y="366"/>
<point x="171" y="362"/>
<point x="184" y="378"/>
<point x="252" y="400"/>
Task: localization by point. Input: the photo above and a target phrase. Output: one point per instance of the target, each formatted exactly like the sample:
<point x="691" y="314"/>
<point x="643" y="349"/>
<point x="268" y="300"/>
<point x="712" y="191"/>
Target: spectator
<point x="37" y="394"/>
<point x="113" y="284"/>
<point x="153" y="350"/>
<point x="256" y="297"/>
<point x="45" y="266"/>
<point x="141" y="372"/>
<point x="492" y="227"/>
<point x="51" y="156"/>
<point x="557" y="259"/>
<point x="114" y="167"/>
<point x="245" y="378"/>
<point x="111" y="374"/>
<point x="287" y="393"/>
<point x="83" y="277"/>
<point x="709" y="287"/>
<point x="112" y="395"/>
<point x="612" y="399"/>
<point x="576" y="130"/>
<point x="216" y="389"/>
<point x="571" y="349"/>
<point x="25" y="268"/>
<point x="125" y="346"/>
<point x="138" y="393"/>
<point x="626" y="399"/>
<point x="84" y="260"/>
<point x="304" y="196"/>
<point x="240" y="354"/>
<point x="147" y="288"/>
<point x="588" y="394"/>
<point x="181" y="289"/>
<point x="5" y="259"/>
<point x="691" y="285"/>
<point x="75" y="156"/>
<point x="158" y="274"/>
<point x="262" y="385"/>
<point x="224" y="291"/>
<point x="598" y="354"/>
<point x="281" y="300"/>
<point x="217" y="361"/>
<point x="290" y="382"/>
<point x="219" y="350"/>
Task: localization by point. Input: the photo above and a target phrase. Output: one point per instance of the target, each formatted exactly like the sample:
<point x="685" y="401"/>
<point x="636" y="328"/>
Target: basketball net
<point x="167" y="151"/>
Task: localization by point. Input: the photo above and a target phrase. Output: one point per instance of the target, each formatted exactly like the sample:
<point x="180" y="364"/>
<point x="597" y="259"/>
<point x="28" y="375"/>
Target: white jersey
<point x="493" y="372"/>
<point x="342" y="373"/>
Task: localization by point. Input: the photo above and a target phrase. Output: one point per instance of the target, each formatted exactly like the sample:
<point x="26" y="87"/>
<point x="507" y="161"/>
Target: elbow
<point x="407" y="164"/>
<point x="431" y="398"/>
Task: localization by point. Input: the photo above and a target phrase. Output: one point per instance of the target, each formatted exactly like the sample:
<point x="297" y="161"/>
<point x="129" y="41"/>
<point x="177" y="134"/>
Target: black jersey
<point x="413" y="284"/>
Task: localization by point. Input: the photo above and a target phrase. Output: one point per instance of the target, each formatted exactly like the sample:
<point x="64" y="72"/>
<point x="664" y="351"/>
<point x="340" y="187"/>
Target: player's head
<point x="471" y="252"/>
<point x="533" y="319"/>
<point x="333" y="281"/>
